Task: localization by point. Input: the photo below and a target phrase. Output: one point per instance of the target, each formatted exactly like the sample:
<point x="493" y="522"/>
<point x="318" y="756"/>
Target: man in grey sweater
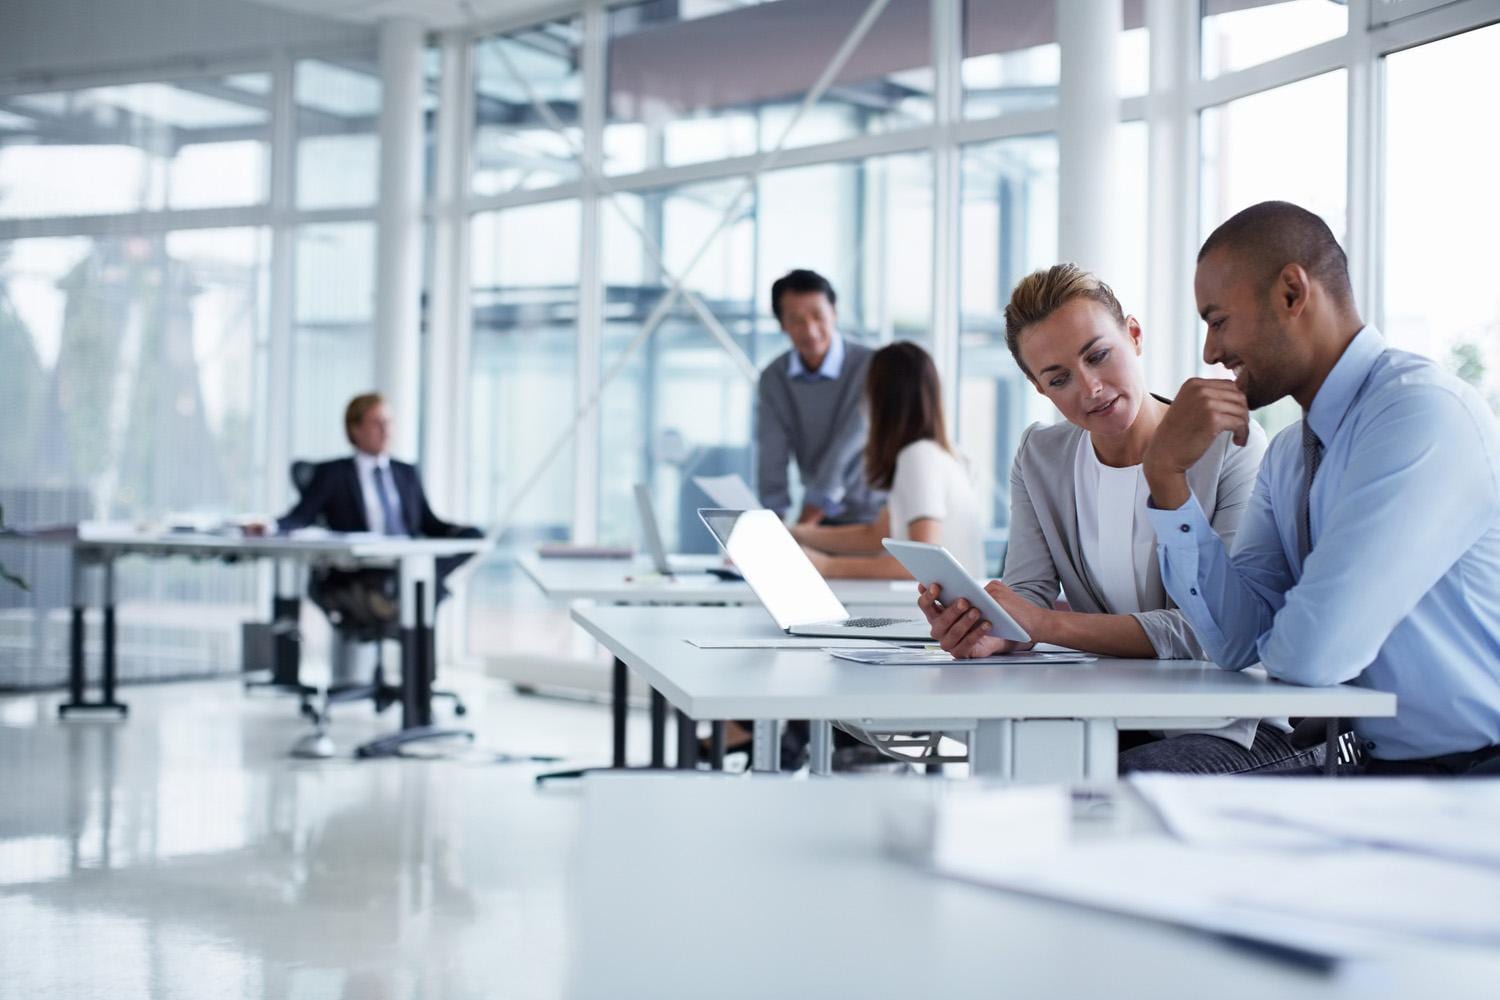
<point x="809" y="407"/>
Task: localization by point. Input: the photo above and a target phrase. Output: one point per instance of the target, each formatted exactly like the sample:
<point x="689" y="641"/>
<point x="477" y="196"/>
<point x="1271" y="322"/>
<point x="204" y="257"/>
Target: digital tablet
<point x="934" y="564"/>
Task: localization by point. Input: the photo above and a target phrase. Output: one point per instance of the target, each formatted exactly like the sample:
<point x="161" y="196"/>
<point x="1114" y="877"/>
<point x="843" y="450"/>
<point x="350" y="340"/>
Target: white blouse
<point x="931" y="481"/>
<point x="1117" y="540"/>
<point x="1119" y="552"/>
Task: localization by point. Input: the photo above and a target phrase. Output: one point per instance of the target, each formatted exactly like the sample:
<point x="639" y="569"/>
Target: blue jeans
<point x="1200" y="753"/>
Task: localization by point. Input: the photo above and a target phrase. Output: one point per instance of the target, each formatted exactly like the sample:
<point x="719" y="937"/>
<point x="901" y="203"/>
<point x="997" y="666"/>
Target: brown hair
<point x="354" y="413"/>
<point x="905" y="398"/>
<point x="1042" y="293"/>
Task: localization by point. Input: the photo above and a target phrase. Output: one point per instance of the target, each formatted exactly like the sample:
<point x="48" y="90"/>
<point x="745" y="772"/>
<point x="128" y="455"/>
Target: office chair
<point x="336" y="592"/>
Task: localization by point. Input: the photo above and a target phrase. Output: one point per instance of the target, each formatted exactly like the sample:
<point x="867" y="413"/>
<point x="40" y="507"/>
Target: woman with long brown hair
<point x="931" y="493"/>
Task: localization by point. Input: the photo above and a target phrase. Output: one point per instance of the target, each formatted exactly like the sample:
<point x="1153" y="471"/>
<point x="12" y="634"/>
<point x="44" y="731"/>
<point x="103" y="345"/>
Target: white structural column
<point x="947" y="51"/>
<point x="398" y="284"/>
<point x="1172" y="198"/>
<point x="1088" y="33"/>
<point x="444" y="424"/>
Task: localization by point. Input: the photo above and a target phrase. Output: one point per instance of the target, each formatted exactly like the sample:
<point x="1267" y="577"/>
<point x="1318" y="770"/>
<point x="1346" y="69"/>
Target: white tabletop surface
<point x="703" y="886"/>
<point x="360" y="545"/>
<point x="636" y="581"/>
<point x="810" y="684"/>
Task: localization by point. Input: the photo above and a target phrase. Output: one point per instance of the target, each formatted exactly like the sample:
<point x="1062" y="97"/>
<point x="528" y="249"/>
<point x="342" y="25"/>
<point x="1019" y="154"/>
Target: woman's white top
<point x="931" y="481"/>
<point x="1115" y="534"/>
<point x="1119" y="550"/>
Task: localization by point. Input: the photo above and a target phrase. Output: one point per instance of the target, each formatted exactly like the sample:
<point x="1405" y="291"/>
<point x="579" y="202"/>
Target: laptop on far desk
<point x="660" y="561"/>
<point x="788" y="586"/>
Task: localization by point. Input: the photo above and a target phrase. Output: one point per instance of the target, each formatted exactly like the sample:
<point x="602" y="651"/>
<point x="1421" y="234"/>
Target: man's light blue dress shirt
<point x="1401" y="591"/>
<point x="830" y="370"/>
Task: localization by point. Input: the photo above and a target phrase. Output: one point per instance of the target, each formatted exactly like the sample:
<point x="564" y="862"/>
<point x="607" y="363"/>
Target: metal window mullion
<point x="279" y="363"/>
<point x="947" y="57"/>
<point x="590" y="333"/>
<point x="1300" y="65"/>
<point x="1362" y="207"/>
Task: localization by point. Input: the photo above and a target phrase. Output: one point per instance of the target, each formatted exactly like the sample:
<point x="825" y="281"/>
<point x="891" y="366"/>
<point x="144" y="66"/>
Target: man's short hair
<point x="1042" y="293"/>
<point x="1269" y="236"/>
<point x="800" y="281"/>
<point x="354" y="413"/>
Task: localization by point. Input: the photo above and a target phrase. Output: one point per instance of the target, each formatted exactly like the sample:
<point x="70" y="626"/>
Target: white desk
<point x="714" y="886"/>
<point x="1056" y="722"/>
<point x="636" y="582"/>
<point x="98" y="546"/>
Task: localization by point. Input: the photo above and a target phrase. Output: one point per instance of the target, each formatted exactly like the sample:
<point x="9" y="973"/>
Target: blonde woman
<point x="1078" y="515"/>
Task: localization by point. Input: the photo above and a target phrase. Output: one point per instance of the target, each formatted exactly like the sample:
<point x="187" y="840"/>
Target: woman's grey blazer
<point x="1044" y="551"/>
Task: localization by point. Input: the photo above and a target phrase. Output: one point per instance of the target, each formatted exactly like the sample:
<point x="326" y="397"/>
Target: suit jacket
<point x="333" y="499"/>
<point x="1044" y="551"/>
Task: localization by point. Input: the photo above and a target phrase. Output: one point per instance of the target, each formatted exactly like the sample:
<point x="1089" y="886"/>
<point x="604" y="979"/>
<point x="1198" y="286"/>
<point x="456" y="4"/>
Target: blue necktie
<point x="393" y="524"/>
<point x="1312" y="457"/>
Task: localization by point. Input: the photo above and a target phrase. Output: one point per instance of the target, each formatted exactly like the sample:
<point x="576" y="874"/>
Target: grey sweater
<point x="820" y="424"/>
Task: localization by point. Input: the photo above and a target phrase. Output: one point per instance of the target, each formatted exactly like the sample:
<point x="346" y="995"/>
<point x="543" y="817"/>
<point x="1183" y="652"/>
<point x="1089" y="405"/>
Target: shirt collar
<point x="1343" y="383"/>
<point x="366" y="462"/>
<point x="833" y="362"/>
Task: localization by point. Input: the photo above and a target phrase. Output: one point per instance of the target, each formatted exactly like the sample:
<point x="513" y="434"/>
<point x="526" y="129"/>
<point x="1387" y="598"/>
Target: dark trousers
<point x="1473" y="763"/>
<point x="368" y="599"/>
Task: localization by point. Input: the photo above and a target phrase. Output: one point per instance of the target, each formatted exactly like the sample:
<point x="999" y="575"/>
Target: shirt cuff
<point x="1187" y="527"/>
<point x="827" y="504"/>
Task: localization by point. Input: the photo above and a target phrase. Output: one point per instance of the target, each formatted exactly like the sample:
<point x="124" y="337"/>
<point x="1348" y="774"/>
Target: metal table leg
<point x="77" y="680"/>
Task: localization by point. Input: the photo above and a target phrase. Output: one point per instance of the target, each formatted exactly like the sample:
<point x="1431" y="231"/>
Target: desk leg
<point x="716" y="747"/>
<point x="77" y="680"/>
<point x="417" y="575"/>
<point x="991" y="754"/>
<point x="765" y="749"/>
<point x="1101" y="750"/>
<point x="620" y="707"/>
<point x="820" y="747"/>
<point x="658" y="729"/>
<point x="75" y="638"/>
<point x="687" y="743"/>
<point x="108" y="571"/>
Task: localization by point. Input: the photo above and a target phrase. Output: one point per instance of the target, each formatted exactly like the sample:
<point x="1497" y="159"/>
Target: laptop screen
<point x="775" y="566"/>
<point x="650" y="530"/>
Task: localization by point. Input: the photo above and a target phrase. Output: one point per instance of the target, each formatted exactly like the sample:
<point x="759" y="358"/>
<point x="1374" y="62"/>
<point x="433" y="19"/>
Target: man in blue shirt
<point x="1370" y="553"/>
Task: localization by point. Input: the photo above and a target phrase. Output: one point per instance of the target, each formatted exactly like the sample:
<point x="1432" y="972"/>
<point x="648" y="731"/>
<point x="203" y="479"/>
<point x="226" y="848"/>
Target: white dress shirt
<point x="374" y="513"/>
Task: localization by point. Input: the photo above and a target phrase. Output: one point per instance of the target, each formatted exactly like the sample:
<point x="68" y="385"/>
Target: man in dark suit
<point x="368" y="491"/>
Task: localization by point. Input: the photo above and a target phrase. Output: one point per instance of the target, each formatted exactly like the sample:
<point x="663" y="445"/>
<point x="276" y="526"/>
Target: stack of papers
<point x="1315" y="869"/>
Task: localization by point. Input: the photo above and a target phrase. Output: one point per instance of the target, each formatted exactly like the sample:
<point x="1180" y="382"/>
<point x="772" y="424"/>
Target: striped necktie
<point x="1312" y="457"/>
<point x="393" y="524"/>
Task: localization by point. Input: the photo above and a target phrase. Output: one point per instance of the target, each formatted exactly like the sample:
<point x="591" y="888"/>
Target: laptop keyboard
<point x="873" y="622"/>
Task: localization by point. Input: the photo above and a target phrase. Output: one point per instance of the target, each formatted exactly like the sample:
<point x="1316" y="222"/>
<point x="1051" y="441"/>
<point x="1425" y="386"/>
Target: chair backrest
<point x="302" y="474"/>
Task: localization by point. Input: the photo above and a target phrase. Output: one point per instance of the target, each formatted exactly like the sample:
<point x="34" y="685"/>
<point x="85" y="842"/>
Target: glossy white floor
<point x="183" y="854"/>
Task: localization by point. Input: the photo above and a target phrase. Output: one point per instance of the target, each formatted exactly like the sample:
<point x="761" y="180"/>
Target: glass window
<point x="1245" y="161"/>
<point x="1008" y="229"/>
<point x="681" y="406"/>
<point x="129" y="388"/>
<point x="524" y="366"/>
<point x="515" y="146"/>
<point x="136" y="147"/>
<point x="338" y="125"/>
<point x="1012" y="61"/>
<point x="333" y="344"/>
<point x="1441" y="193"/>
<point x="1241" y="33"/>
<point x="700" y="82"/>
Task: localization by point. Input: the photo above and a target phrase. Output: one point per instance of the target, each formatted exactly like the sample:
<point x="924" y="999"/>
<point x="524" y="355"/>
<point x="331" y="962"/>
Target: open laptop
<point x="651" y="535"/>
<point x="790" y="587"/>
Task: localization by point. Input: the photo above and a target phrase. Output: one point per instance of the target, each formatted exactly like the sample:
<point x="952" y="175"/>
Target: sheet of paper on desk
<point x="1349" y="903"/>
<point x="1455" y="820"/>
<point x="784" y="642"/>
<point x="730" y="492"/>
<point x="928" y="657"/>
